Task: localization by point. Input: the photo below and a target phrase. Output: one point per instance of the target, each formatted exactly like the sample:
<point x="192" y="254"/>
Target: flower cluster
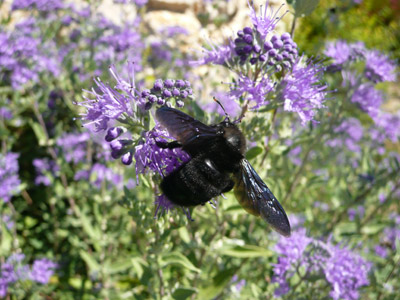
<point x="270" y="71"/>
<point x="378" y="68"/>
<point x="150" y="157"/>
<point x="24" y="56"/>
<point x="9" y="179"/>
<point x="301" y="91"/>
<point x="44" y="169"/>
<point x="126" y="107"/>
<point x="390" y="238"/>
<point x="165" y="90"/>
<point x="349" y="132"/>
<point x="278" y="51"/>
<point x="342" y="52"/>
<point x="14" y="270"/>
<point x="342" y="269"/>
<point x="41" y="5"/>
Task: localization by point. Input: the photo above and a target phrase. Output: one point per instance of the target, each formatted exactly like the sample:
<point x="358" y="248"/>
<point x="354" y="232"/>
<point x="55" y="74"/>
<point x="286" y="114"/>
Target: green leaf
<point x="245" y="251"/>
<point x="138" y="263"/>
<point x="373" y="229"/>
<point x="112" y="267"/>
<point x="92" y="232"/>
<point x="184" y="234"/>
<point x="6" y="239"/>
<point x="176" y="258"/>
<point x="183" y="293"/>
<point x="218" y="284"/>
<point x="304" y="7"/>
<point x="253" y="152"/>
<point x="90" y="261"/>
<point x="39" y="132"/>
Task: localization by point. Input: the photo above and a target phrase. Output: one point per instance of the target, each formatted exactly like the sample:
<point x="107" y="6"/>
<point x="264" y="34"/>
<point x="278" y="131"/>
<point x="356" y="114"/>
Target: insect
<point x="216" y="166"/>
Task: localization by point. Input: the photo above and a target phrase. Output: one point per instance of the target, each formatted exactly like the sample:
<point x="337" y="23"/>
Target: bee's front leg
<point x="170" y="145"/>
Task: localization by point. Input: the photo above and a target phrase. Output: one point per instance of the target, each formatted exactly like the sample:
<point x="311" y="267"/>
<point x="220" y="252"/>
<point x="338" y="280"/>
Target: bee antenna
<point x="220" y="104"/>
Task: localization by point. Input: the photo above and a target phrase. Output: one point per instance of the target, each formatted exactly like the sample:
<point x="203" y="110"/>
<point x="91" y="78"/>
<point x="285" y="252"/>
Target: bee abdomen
<point x="196" y="182"/>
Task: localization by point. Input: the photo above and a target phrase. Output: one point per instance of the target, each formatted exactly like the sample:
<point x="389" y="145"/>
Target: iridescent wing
<point x="257" y="199"/>
<point x="188" y="131"/>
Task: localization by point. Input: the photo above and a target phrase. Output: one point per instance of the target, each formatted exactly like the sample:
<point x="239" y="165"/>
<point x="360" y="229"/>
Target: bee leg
<point x="228" y="187"/>
<point x="170" y="145"/>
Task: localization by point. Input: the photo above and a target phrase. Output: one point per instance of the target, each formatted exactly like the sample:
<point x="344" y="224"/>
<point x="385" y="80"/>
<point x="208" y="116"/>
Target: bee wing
<point x="183" y="127"/>
<point x="257" y="199"/>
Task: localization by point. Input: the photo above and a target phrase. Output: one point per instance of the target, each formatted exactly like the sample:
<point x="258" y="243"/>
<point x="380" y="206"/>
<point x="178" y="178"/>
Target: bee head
<point x="233" y="136"/>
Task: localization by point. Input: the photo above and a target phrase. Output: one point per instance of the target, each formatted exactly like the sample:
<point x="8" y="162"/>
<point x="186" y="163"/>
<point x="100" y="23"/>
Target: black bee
<point x="217" y="165"/>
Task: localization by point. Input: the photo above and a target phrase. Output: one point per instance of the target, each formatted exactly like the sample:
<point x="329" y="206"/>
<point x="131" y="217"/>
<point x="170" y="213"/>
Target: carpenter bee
<point x="216" y="166"/>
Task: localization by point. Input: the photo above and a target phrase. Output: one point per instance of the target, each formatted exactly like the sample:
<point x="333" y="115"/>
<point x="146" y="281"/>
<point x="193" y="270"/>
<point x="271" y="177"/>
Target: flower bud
<point x="113" y="133"/>
<point x="127" y="158"/>
<point x="158" y="85"/>
<point x="256" y="49"/>
<point x="248" y="30"/>
<point x="285" y="36"/>
<point x="176" y="92"/>
<point x="118" y="145"/>
<point x="168" y="83"/>
<point x="274" y="38"/>
<point x="272" y="53"/>
<point x="247" y="49"/>
<point x="268" y="46"/>
<point x="248" y="39"/>
<point x="180" y="84"/>
<point x="160" y="101"/>
<point x="152" y="98"/>
<point x="145" y="93"/>
<point x="166" y="93"/>
<point x="184" y="94"/>
<point x="278" y="44"/>
<point x="253" y="60"/>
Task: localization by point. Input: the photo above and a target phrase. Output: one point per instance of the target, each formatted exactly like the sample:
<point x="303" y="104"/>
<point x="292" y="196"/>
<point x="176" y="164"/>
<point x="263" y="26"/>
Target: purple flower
<point x="9" y="179"/>
<point x="301" y="91"/>
<point x="351" y="132"/>
<point x="42" y="270"/>
<point x="228" y="101"/>
<point x="266" y="21"/>
<point x="356" y="212"/>
<point x="255" y="92"/>
<point x="388" y="125"/>
<point x="218" y="55"/>
<point x="73" y="146"/>
<point x="342" y="52"/>
<point x="24" y="55"/>
<point x="171" y="31"/>
<point x="120" y="44"/>
<point x="5" y="113"/>
<point x="109" y="103"/>
<point x="44" y="167"/>
<point x="163" y="205"/>
<point x="139" y="3"/>
<point x="150" y="157"/>
<point x="113" y="133"/>
<point x="14" y="270"/>
<point x="391" y="234"/>
<point x="41" y="5"/>
<point x="100" y="174"/>
<point x="368" y="98"/>
<point x="379" y="67"/>
<point x="381" y="251"/>
<point x="237" y="284"/>
<point x="342" y="269"/>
